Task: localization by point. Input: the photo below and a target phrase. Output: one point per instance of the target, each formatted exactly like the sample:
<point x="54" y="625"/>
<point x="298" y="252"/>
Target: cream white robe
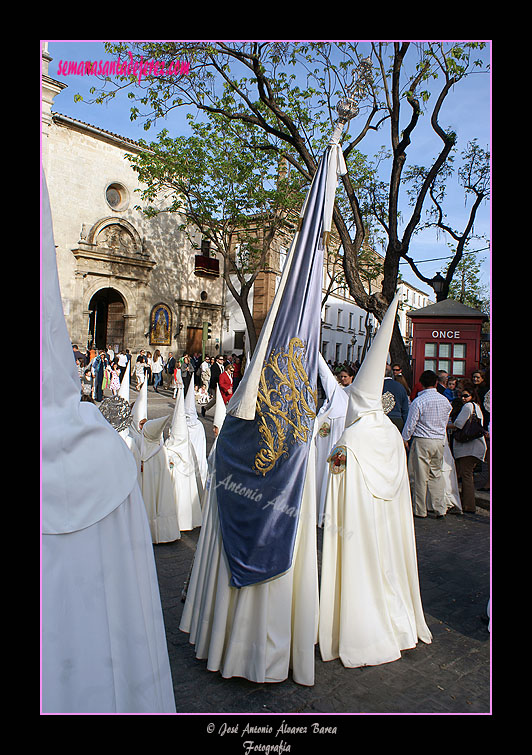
<point x="370" y="603"/>
<point x="261" y="631"/>
<point x="452" y="491"/>
<point x="103" y="636"/>
<point x="188" y="487"/>
<point x="103" y="640"/>
<point x="158" y="491"/>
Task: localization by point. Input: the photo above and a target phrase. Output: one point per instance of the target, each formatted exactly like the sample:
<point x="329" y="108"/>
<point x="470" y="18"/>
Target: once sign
<point x="446" y="334"/>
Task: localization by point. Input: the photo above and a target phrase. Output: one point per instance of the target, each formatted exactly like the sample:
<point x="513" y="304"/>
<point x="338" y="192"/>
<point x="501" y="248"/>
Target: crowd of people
<point x="103" y="368"/>
<point x="431" y="415"/>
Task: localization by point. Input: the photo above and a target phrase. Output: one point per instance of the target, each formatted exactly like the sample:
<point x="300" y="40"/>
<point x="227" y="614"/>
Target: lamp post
<point x="438" y="283"/>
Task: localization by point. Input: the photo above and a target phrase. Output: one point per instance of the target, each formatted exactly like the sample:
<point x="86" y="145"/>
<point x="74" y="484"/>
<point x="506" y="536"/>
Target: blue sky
<point x="468" y="111"/>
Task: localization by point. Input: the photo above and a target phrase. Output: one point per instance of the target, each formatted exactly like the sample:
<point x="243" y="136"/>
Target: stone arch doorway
<point x="106" y="319"/>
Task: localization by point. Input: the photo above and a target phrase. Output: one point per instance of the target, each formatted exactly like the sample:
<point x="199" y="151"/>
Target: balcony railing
<point x="207" y="267"/>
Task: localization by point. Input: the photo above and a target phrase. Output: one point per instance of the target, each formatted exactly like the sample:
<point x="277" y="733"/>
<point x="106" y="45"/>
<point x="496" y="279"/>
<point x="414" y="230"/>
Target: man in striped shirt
<point x="426" y="425"/>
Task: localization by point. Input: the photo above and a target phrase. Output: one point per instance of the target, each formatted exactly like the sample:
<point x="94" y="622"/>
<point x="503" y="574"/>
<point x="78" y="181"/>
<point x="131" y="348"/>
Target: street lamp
<point x="438" y="283"/>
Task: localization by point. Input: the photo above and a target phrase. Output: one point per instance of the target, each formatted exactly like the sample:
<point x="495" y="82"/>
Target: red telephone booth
<point x="446" y="336"/>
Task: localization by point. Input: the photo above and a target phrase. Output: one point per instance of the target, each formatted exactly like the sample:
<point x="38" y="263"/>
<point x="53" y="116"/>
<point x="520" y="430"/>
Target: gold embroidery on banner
<point x="284" y="405"/>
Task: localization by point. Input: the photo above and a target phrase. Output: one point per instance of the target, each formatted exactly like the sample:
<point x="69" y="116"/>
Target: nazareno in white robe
<point x="158" y="488"/>
<point x="103" y="638"/>
<point x="127" y="433"/>
<point x="261" y="631"/>
<point x="370" y="603"/>
<point x="188" y="488"/>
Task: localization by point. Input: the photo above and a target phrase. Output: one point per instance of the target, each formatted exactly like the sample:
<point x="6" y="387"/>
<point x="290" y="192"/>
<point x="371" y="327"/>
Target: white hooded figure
<point x="330" y="425"/>
<point x="188" y="488"/>
<point x="138" y="413"/>
<point x="103" y="638"/>
<point x="158" y="488"/>
<point x="196" y="431"/>
<point x="370" y="603"/>
<point x="218" y="420"/>
<point x="206" y="502"/>
<point x="219" y="415"/>
<point x="262" y="631"/>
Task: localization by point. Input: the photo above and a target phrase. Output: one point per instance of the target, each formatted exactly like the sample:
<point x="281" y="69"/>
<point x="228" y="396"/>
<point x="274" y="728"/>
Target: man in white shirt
<point x="426" y="425"/>
<point x="122" y="363"/>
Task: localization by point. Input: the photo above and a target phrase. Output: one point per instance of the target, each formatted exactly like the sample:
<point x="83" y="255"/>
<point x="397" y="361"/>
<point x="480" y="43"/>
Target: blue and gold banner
<point x="261" y="462"/>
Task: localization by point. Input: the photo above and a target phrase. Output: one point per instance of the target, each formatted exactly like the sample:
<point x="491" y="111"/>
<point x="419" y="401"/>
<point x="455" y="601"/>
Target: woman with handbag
<point x="469" y="444"/>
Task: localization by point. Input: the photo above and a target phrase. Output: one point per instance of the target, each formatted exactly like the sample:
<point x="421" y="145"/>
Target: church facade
<point x="127" y="281"/>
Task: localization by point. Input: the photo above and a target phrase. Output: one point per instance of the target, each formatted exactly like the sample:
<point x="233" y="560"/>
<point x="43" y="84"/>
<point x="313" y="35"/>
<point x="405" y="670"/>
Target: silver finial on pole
<point x="347" y="107"/>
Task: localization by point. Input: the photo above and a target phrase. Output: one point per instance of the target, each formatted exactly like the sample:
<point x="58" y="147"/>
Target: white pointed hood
<point x="369" y="435"/>
<point x="219" y="411"/>
<point x="152" y="436"/>
<point x="124" y="385"/>
<point x="178" y="429"/>
<point x="140" y="407"/>
<point x="87" y="469"/>
<point x="365" y="392"/>
<point x="178" y="441"/>
<point x="190" y="405"/>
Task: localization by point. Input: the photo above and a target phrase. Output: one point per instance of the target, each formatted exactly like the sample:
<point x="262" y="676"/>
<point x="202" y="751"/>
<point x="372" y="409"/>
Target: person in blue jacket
<point x="394" y="399"/>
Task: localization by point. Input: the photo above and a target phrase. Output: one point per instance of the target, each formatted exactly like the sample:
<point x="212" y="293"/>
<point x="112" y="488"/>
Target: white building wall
<point x="234" y="323"/>
<point x="343" y="330"/>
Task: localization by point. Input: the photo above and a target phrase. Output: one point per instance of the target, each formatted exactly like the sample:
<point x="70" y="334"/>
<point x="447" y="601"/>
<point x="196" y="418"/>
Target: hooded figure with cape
<point x="252" y="603"/>
<point x="103" y="638"/>
<point x="370" y="603"/>
<point x="188" y="487"/>
<point x="158" y="488"/>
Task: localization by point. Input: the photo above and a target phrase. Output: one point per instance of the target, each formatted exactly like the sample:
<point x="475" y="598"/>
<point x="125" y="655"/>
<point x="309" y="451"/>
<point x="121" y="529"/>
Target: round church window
<point x="116" y="196"/>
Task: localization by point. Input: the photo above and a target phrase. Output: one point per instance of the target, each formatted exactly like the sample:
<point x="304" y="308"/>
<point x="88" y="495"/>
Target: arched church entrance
<point x="106" y="319"/>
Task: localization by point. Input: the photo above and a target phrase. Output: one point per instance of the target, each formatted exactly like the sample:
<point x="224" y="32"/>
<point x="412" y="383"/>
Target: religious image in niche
<point x="160" y="325"/>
